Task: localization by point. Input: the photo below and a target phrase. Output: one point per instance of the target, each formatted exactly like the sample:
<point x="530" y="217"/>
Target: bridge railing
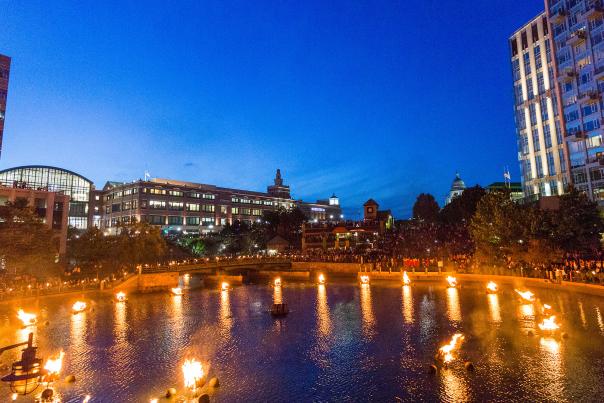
<point x="220" y="264"/>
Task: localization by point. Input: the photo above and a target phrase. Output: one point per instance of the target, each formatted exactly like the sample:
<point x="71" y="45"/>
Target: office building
<point x="4" y="75"/>
<point x="178" y="206"/>
<point x="542" y="151"/>
<point x="83" y="210"/>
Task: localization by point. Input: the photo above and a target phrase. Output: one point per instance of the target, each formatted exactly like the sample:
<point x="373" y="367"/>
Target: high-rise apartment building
<point x="542" y="150"/>
<point x="577" y="28"/>
<point x="4" y="73"/>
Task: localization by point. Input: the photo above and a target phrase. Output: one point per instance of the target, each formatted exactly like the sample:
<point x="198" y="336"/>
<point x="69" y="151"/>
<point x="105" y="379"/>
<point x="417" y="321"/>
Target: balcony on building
<point x="590" y="96"/>
<point x="559" y="16"/>
<point x="568" y="75"/>
<point x="599" y="72"/>
<point x="579" y="135"/>
<point x="577" y="37"/>
<point x="595" y="11"/>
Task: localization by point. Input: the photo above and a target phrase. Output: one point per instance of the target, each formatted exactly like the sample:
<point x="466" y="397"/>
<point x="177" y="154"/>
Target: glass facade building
<point x="542" y="151"/>
<point x="53" y="179"/>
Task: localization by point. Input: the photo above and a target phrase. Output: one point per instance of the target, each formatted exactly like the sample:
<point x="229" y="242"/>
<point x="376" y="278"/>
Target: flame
<point x="120" y="296"/>
<point x="549" y="324"/>
<point x="225" y="286"/>
<point x="54" y="364"/>
<point x="526" y="295"/>
<point x="177" y="291"/>
<point x="452" y="281"/>
<point x="321" y="279"/>
<point x="193" y="372"/>
<point x="14" y="396"/>
<point x="277" y="282"/>
<point x="491" y="287"/>
<point x="446" y="351"/>
<point x="364" y="279"/>
<point x="546" y="307"/>
<point x="28" y="319"/>
<point x="86" y="399"/>
<point x="406" y="279"/>
<point x="79" y="306"/>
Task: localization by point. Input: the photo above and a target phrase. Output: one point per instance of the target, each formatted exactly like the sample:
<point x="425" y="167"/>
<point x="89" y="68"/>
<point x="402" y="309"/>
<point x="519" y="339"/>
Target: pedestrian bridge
<point x="231" y="266"/>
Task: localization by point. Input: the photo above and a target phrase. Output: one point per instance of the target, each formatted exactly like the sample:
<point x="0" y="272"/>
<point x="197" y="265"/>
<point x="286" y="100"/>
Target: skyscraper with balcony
<point x="542" y="150"/>
<point x="4" y="73"/>
<point x="578" y="32"/>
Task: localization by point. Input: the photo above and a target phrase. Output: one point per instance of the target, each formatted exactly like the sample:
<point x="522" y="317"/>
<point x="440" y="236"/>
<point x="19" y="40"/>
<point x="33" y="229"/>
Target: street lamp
<point x="25" y="374"/>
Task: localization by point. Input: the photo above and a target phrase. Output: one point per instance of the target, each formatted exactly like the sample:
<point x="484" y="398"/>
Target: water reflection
<point x="368" y="320"/>
<point x="120" y="326"/>
<point x="226" y="319"/>
<point x="453" y="306"/>
<point x="551" y="367"/>
<point x="407" y="304"/>
<point x="582" y="315"/>
<point x="600" y="321"/>
<point x="455" y="387"/>
<point x="527" y="312"/>
<point x="277" y="295"/>
<point x="78" y="345"/>
<point x="323" y="319"/>
<point x="494" y="309"/>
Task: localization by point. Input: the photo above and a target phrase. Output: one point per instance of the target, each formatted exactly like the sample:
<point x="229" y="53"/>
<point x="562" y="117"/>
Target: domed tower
<point x="457" y="188"/>
<point x="279" y="189"/>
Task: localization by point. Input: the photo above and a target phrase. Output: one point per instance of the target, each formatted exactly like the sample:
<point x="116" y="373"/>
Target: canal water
<point x="340" y="342"/>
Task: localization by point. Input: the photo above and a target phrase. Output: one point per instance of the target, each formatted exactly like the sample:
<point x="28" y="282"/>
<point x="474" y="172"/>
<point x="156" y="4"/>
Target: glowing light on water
<point x="193" y="372"/>
<point x="277" y="282"/>
<point x="367" y="316"/>
<point x="277" y="295"/>
<point x="406" y="279"/>
<point x="323" y="319"/>
<point x="453" y="305"/>
<point x="225" y="286"/>
<point x="79" y="306"/>
<point x="177" y="291"/>
<point x="452" y="281"/>
<point x="491" y="287"/>
<point x="120" y="296"/>
<point x="14" y="396"/>
<point x="54" y="364"/>
<point x="28" y="319"/>
<point x="446" y="351"/>
<point x="549" y="324"/>
<point x="321" y="279"/>
<point x="494" y="309"/>
<point x="407" y="304"/>
<point x="364" y="279"/>
<point x="86" y="399"/>
<point x="526" y="295"/>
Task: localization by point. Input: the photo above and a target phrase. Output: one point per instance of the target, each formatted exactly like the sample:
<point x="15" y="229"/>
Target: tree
<point x="27" y="245"/>
<point x="425" y="208"/>
<point x="578" y="224"/>
<point x="462" y="208"/>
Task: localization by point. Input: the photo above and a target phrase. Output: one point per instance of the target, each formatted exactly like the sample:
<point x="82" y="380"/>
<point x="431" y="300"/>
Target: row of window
<point x="246" y="211"/>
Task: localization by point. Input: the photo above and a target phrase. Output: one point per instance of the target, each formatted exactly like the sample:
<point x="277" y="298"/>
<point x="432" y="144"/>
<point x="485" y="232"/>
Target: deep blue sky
<point x="364" y="99"/>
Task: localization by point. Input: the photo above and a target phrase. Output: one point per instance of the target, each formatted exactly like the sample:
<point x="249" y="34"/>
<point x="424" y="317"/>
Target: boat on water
<point x="278" y="310"/>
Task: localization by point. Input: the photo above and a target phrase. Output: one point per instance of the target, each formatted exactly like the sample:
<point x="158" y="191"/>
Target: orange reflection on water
<point x="226" y="320"/>
<point x="551" y="367"/>
<point x="453" y="306"/>
<point x="582" y="315"/>
<point x="407" y="304"/>
<point x="599" y="318"/>
<point x="455" y="387"/>
<point x="323" y="319"/>
<point x="277" y="295"/>
<point x="494" y="309"/>
<point x="368" y="319"/>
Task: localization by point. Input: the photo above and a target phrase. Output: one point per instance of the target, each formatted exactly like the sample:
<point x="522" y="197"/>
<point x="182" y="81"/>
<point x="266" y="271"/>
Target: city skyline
<point x="327" y="94"/>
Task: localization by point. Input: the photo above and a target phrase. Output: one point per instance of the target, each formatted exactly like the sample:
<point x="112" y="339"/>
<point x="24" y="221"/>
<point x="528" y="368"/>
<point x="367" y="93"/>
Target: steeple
<point x="278" y="180"/>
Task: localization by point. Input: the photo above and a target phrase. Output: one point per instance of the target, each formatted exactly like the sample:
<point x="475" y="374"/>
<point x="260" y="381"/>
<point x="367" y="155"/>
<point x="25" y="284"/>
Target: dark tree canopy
<point x="462" y="208"/>
<point x="425" y="208"/>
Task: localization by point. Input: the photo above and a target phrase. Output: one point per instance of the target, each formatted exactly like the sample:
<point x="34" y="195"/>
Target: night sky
<point x="364" y="99"/>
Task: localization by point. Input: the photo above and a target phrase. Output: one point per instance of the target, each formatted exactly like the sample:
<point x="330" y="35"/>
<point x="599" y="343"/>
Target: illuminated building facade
<point x="51" y="207"/>
<point x="542" y="150"/>
<point x="4" y="75"/>
<point x="83" y="210"/>
<point x="177" y="206"/>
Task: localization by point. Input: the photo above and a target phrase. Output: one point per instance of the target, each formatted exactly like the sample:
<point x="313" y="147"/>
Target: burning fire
<point x="120" y="296"/>
<point x="28" y="319"/>
<point x="193" y="372"/>
<point x="546" y="308"/>
<point x="364" y="279"/>
<point x="491" y="287"/>
<point x="277" y="282"/>
<point x="446" y="351"/>
<point x="526" y="295"/>
<point x="406" y="279"/>
<point x="79" y="306"/>
<point x="225" y="286"/>
<point x="177" y="291"/>
<point x="452" y="281"/>
<point x="549" y="324"/>
<point x="54" y="364"/>
<point x="321" y="279"/>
